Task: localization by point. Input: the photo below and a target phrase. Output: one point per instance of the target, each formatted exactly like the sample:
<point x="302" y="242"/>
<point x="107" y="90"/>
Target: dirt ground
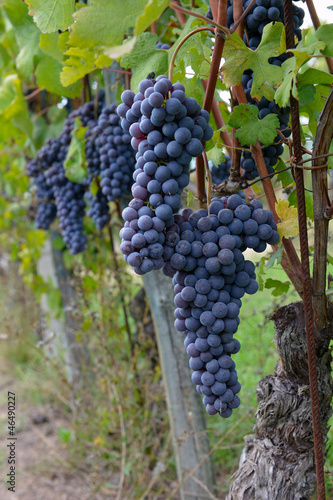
<point x="42" y="469"/>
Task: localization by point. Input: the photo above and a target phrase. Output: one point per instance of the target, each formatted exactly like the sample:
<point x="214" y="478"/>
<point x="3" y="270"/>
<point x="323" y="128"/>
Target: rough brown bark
<point x="277" y="461"/>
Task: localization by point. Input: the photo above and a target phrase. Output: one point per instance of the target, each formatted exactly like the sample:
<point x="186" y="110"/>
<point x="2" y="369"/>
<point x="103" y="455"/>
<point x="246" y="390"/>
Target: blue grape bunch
<point x="98" y="209"/>
<point x="36" y="169"/>
<point x="262" y="13"/>
<point x="167" y="130"/>
<point x="163" y="46"/>
<point x="204" y="256"/>
<point x="116" y="155"/>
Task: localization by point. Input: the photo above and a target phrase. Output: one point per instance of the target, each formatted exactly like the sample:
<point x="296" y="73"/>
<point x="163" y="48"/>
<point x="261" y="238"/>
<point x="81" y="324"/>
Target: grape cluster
<point x="167" y="130"/>
<point x="36" y="169"/>
<point x="221" y="172"/>
<point x="110" y="160"/>
<point x="262" y="13"/>
<point x="46" y="209"/>
<point x="69" y="196"/>
<point x="57" y="196"/>
<point x="98" y="209"/>
<point x="204" y="254"/>
<point x="161" y="45"/>
<point x="116" y="156"/>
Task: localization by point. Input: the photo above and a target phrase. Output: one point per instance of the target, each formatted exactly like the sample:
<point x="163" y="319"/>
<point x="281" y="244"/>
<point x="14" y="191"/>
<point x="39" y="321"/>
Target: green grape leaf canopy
<point x="104" y="22"/>
<point x="52" y="15"/>
<point x="75" y="163"/>
<point x="238" y="58"/>
<point x="249" y="128"/>
<point x="153" y="10"/>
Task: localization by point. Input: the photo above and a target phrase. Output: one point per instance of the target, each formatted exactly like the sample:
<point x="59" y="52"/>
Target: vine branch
<point x="222" y="28"/>
<point x="181" y="43"/>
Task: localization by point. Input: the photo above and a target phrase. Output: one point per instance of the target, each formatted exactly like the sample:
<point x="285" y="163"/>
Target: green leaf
<point x="325" y="34"/>
<point x="27" y="36"/>
<point x="306" y="94"/>
<point x="215" y="155"/>
<point x="48" y="77"/>
<point x="54" y="301"/>
<point x="194" y="53"/>
<point x="279" y="287"/>
<point x="58" y="243"/>
<point x="64" y="435"/>
<point x="275" y="258"/>
<point x="49" y="43"/>
<point x="282" y="95"/>
<point x="75" y="163"/>
<point x="313" y="76"/>
<point x="13" y="104"/>
<point x="153" y="10"/>
<point x="316" y="107"/>
<point x="93" y="188"/>
<point x="249" y="128"/>
<point x="79" y="63"/>
<point x="239" y="58"/>
<point x="285" y="177"/>
<point x="104" y="22"/>
<point x="52" y="15"/>
<point x="117" y="52"/>
<point x="144" y="59"/>
<point x="304" y="51"/>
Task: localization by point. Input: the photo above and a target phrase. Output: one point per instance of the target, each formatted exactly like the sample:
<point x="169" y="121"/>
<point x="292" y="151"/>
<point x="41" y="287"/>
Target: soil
<point x="43" y="471"/>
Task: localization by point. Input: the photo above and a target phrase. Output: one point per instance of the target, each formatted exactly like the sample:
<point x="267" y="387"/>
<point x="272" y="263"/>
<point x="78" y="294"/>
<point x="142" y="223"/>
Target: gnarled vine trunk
<point x="277" y="462"/>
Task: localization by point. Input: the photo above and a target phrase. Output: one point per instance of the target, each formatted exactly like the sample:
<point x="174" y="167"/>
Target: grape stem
<point x="209" y="177"/>
<point x="122" y="71"/>
<point x="210" y="90"/>
<point x="242" y="17"/>
<point x="33" y="94"/>
<point x="236" y="155"/>
<point x="214" y="7"/>
<point x="180" y="16"/>
<point x="225" y="31"/>
<point x="174" y="55"/>
<point x="219" y="122"/>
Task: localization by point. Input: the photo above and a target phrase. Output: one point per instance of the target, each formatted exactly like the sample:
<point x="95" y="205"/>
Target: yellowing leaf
<point x="79" y="63"/>
<point x="120" y="50"/>
<point x="288" y="226"/>
<point x="153" y="10"/>
<point x="99" y="441"/>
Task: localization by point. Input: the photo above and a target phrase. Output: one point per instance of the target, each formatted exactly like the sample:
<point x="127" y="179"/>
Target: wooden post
<point x="185" y="408"/>
<point x="61" y="333"/>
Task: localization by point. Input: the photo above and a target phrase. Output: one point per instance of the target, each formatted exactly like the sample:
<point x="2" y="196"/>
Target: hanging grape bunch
<point x="110" y="158"/>
<point x="202" y="251"/>
<point x="167" y="130"/>
<point x="210" y="276"/>
<point x="262" y="13"/>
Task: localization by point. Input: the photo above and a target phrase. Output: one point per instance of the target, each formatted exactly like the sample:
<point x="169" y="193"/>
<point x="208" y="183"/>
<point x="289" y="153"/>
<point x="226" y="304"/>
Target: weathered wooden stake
<point x="186" y="411"/>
